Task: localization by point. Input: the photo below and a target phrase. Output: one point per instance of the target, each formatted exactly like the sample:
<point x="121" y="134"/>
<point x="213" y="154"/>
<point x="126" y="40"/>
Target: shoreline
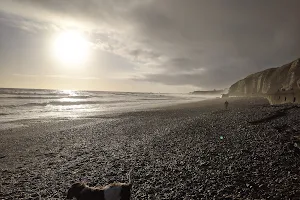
<point x="219" y="102"/>
<point x="191" y="151"/>
<point x="210" y="103"/>
<point x="23" y="123"/>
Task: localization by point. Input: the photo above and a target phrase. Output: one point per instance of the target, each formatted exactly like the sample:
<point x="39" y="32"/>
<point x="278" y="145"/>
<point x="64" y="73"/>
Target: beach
<point x="187" y="151"/>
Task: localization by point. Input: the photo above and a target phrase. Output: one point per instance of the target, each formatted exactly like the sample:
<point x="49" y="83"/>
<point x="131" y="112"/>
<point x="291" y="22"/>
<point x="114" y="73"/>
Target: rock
<point x="279" y="85"/>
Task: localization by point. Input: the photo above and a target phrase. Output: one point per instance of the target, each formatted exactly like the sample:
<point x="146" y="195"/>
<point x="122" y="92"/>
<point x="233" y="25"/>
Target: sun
<point x="71" y="47"/>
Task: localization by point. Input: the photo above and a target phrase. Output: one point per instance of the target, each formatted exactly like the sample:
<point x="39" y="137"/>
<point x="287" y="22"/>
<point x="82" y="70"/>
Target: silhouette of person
<point x="226" y="104"/>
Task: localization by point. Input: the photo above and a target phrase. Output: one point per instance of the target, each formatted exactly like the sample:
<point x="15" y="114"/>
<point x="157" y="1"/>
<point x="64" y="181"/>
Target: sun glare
<point x="71" y="47"/>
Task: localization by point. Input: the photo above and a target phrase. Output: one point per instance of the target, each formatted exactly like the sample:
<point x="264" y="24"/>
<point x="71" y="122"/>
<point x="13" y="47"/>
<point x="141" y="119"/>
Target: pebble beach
<point x="187" y="151"/>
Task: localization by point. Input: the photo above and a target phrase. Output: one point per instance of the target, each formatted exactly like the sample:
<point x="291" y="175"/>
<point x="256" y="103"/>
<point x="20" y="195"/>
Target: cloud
<point x="26" y="75"/>
<point x="208" y="44"/>
<point x="57" y="76"/>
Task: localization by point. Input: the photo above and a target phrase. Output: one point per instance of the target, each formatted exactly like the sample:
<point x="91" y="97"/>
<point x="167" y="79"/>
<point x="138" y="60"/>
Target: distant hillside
<point x="280" y="81"/>
<point x="209" y="92"/>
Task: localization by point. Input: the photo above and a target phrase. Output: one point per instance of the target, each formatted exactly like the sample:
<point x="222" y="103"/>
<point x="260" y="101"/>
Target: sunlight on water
<point x="69" y="99"/>
<point x="20" y="104"/>
<point x="69" y="92"/>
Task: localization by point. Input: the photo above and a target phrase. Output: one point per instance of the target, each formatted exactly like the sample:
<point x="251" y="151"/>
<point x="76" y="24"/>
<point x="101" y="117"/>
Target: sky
<point x="145" y="45"/>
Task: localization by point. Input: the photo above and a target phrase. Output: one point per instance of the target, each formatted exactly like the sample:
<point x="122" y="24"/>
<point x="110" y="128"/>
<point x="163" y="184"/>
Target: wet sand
<point x="187" y="151"/>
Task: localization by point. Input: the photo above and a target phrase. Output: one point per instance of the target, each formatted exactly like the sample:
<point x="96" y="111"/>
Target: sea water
<point x="26" y="104"/>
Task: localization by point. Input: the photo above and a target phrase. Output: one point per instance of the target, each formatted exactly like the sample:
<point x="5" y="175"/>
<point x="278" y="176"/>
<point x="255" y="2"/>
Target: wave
<point x="70" y="103"/>
<point x="37" y="92"/>
<point x="154" y="99"/>
<point x="8" y="106"/>
<point x="32" y="93"/>
<point x="62" y="103"/>
<point x="41" y="97"/>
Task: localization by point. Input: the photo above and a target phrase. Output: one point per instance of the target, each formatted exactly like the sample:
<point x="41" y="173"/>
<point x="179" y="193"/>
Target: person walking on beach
<point x="226" y="104"/>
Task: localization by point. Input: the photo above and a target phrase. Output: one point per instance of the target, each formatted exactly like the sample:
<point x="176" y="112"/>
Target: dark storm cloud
<point x="229" y="39"/>
<point x="209" y="44"/>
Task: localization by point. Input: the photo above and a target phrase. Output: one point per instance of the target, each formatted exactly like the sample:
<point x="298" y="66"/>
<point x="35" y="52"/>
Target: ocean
<point x="27" y="104"/>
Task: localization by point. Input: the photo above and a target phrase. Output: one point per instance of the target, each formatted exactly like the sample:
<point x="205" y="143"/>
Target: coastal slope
<point x="269" y="81"/>
<point x="191" y="151"/>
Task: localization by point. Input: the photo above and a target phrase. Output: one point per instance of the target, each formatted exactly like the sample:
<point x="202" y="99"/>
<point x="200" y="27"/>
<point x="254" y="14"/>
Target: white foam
<point x="20" y="104"/>
<point x="5" y="126"/>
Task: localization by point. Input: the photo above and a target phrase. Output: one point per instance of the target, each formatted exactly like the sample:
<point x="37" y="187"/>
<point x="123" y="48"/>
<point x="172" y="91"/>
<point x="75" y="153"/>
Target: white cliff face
<point x="270" y="81"/>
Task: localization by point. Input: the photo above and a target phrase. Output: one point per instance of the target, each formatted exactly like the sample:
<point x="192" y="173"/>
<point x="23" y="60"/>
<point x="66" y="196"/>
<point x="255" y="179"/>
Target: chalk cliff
<point x="272" y="81"/>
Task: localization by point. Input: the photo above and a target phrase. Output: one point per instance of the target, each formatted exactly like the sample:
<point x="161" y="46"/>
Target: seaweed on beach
<point x="277" y="114"/>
